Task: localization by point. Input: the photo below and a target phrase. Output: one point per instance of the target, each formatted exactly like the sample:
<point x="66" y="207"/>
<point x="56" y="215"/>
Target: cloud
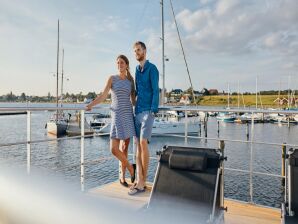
<point x="113" y="24"/>
<point x="235" y="26"/>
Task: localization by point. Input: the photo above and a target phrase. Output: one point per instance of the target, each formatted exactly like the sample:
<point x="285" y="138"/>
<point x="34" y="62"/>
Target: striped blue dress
<point x="122" y="124"/>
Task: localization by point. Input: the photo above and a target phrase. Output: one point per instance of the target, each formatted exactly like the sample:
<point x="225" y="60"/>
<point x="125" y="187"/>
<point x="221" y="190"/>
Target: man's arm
<point x="154" y="78"/>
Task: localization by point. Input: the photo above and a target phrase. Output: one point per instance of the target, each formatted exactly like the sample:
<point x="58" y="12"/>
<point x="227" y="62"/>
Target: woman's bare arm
<point x="133" y="99"/>
<point x="102" y="96"/>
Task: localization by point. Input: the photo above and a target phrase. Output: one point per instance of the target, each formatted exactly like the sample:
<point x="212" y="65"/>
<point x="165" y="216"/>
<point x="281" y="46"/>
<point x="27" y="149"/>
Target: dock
<point x="74" y="129"/>
<point x="12" y="113"/>
<point x="237" y="213"/>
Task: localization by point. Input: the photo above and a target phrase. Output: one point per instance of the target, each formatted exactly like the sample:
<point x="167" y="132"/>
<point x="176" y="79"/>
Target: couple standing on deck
<point x="125" y="93"/>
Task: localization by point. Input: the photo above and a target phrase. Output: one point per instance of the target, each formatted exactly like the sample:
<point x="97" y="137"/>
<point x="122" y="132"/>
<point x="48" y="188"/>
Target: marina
<point x="247" y="181"/>
<point x="232" y="163"/>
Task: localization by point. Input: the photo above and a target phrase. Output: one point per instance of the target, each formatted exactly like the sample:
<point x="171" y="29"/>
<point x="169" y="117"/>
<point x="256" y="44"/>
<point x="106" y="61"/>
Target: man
<point x="147" y="92"/>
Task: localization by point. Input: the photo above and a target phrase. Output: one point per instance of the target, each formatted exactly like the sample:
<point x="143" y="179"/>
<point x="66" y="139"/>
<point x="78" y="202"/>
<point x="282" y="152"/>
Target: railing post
<point x="205" y="125"/>
<point x="28" y="141"/>
<point x="221" y="147"/>
<point x="82" y="149"/>
<point x="283" y="162"/>
<point x="247" y="130"/>
<point x="218" y="129"/>
<point x="186" y="126"/>
<point x="251" y="159"/>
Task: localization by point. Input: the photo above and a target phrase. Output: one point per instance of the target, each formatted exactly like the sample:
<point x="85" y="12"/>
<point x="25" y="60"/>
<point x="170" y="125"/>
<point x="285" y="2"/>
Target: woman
<point x="122" y="124"/>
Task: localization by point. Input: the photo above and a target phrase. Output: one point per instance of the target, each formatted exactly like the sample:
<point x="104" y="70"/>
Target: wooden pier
<point x="238" y="212"/>
<point x="12" y="113"/>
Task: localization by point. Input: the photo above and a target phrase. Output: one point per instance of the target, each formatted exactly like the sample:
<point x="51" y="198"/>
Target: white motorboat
<point x="226" y="117"/>
<point x="247" y="117"/>
<point x="99" y="120"/>
<point x="161" y="126"/>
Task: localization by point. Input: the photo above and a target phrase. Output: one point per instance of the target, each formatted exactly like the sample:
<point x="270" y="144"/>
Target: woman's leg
<point x="114" y="147"/>
<point x="124" y="149"/>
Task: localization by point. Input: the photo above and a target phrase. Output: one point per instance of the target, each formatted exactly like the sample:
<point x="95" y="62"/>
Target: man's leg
<point x="145" y="160"/>
<point x="140" y="177"/>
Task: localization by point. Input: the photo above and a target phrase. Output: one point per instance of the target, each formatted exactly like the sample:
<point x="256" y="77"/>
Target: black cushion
<point x="291" y="219"/>
<point x="293" y="161"/>
<point x="188" y="160"/>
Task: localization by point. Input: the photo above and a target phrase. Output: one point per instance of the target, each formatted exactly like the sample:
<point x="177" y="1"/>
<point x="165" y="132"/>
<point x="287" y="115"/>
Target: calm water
<point x="63" y="157"/>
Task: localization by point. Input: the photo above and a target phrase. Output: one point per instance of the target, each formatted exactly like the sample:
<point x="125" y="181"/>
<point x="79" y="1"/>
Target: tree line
<point x="67" y="97"/>
<point x="79" y="97"/>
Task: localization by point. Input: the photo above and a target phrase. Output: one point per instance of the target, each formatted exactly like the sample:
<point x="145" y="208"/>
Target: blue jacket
<point x="147" y="90"/>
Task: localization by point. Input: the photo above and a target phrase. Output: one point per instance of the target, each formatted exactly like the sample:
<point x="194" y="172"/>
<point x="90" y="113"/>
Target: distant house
<point x="165" y="95"/>
<point x="213" y="92"/>
<point x="280" y="101"/>
<point x="173" y="99"/>
<point x="176" y="92"/>
<point x="184" y="99"/>
<point x="197" y="93"/>
<point x="87" y="100"/>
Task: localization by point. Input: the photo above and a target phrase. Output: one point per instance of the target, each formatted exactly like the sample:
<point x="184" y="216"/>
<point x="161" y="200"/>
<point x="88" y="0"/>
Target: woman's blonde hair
<point x="128" y="75"/>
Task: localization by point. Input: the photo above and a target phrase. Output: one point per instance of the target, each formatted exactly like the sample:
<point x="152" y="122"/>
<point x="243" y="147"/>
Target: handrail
<point x="166" y="135"/>
<point x="171" y="108"/>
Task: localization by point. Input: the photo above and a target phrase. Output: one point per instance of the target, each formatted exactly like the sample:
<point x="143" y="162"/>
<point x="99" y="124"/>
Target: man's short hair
<point x="141" y="44"/>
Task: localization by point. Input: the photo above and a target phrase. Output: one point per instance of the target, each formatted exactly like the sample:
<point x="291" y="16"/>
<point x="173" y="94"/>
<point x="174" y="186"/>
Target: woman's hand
<point x="88" y="107"/>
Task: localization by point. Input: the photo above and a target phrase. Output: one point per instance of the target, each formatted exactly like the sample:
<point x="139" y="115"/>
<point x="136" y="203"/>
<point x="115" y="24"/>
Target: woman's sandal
<point x="124" y="183"/>
<point x="133" y="177"/>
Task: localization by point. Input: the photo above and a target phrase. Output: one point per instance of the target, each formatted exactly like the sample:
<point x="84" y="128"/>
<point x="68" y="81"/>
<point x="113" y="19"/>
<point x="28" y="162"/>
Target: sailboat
<point x="57" y="124"/>
<point x="163" y="126"/>
<point x="227" y="116"/>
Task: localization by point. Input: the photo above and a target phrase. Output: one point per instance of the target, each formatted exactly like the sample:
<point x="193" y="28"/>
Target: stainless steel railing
<point x="251" y="172"/>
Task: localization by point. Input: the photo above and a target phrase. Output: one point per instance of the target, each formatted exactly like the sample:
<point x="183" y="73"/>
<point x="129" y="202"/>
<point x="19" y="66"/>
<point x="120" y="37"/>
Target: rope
<point x="174" y="16"/>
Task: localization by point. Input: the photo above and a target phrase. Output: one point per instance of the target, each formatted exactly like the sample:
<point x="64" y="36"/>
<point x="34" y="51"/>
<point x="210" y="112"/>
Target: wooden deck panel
<point x="238" y="212"/>
<point x="244" y="213"/>
<point x="115" y="191"/>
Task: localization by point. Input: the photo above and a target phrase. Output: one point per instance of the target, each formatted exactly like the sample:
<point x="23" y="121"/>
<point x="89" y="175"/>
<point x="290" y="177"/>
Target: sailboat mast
<point x="228" y="95"/>
<point x="256" y="92"/>
<point x="238" y="95"/>
<point x="163" y="53"/>
<point x="289" y="80"/>
<point x="62" y="74"/>
<point x="57" y="78"/>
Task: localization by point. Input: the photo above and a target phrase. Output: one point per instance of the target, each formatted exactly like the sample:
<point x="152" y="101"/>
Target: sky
<point x="226" y="42"/>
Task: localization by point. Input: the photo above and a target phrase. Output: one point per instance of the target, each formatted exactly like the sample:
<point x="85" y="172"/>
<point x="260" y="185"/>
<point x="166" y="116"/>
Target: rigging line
<point x="141" y="18"/>
<point x="182" y="51"/>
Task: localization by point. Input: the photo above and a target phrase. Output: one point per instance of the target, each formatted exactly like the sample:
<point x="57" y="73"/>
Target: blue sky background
<point x="225" y="41"/>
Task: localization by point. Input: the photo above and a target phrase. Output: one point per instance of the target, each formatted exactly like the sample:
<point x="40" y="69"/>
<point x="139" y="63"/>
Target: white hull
<point x="56" y="129"/>
<point x="165" y="127"/>
<point x="168" y="127"/>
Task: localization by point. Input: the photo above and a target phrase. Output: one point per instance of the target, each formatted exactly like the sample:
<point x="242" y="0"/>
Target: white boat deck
<point x="238" y="212"/>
